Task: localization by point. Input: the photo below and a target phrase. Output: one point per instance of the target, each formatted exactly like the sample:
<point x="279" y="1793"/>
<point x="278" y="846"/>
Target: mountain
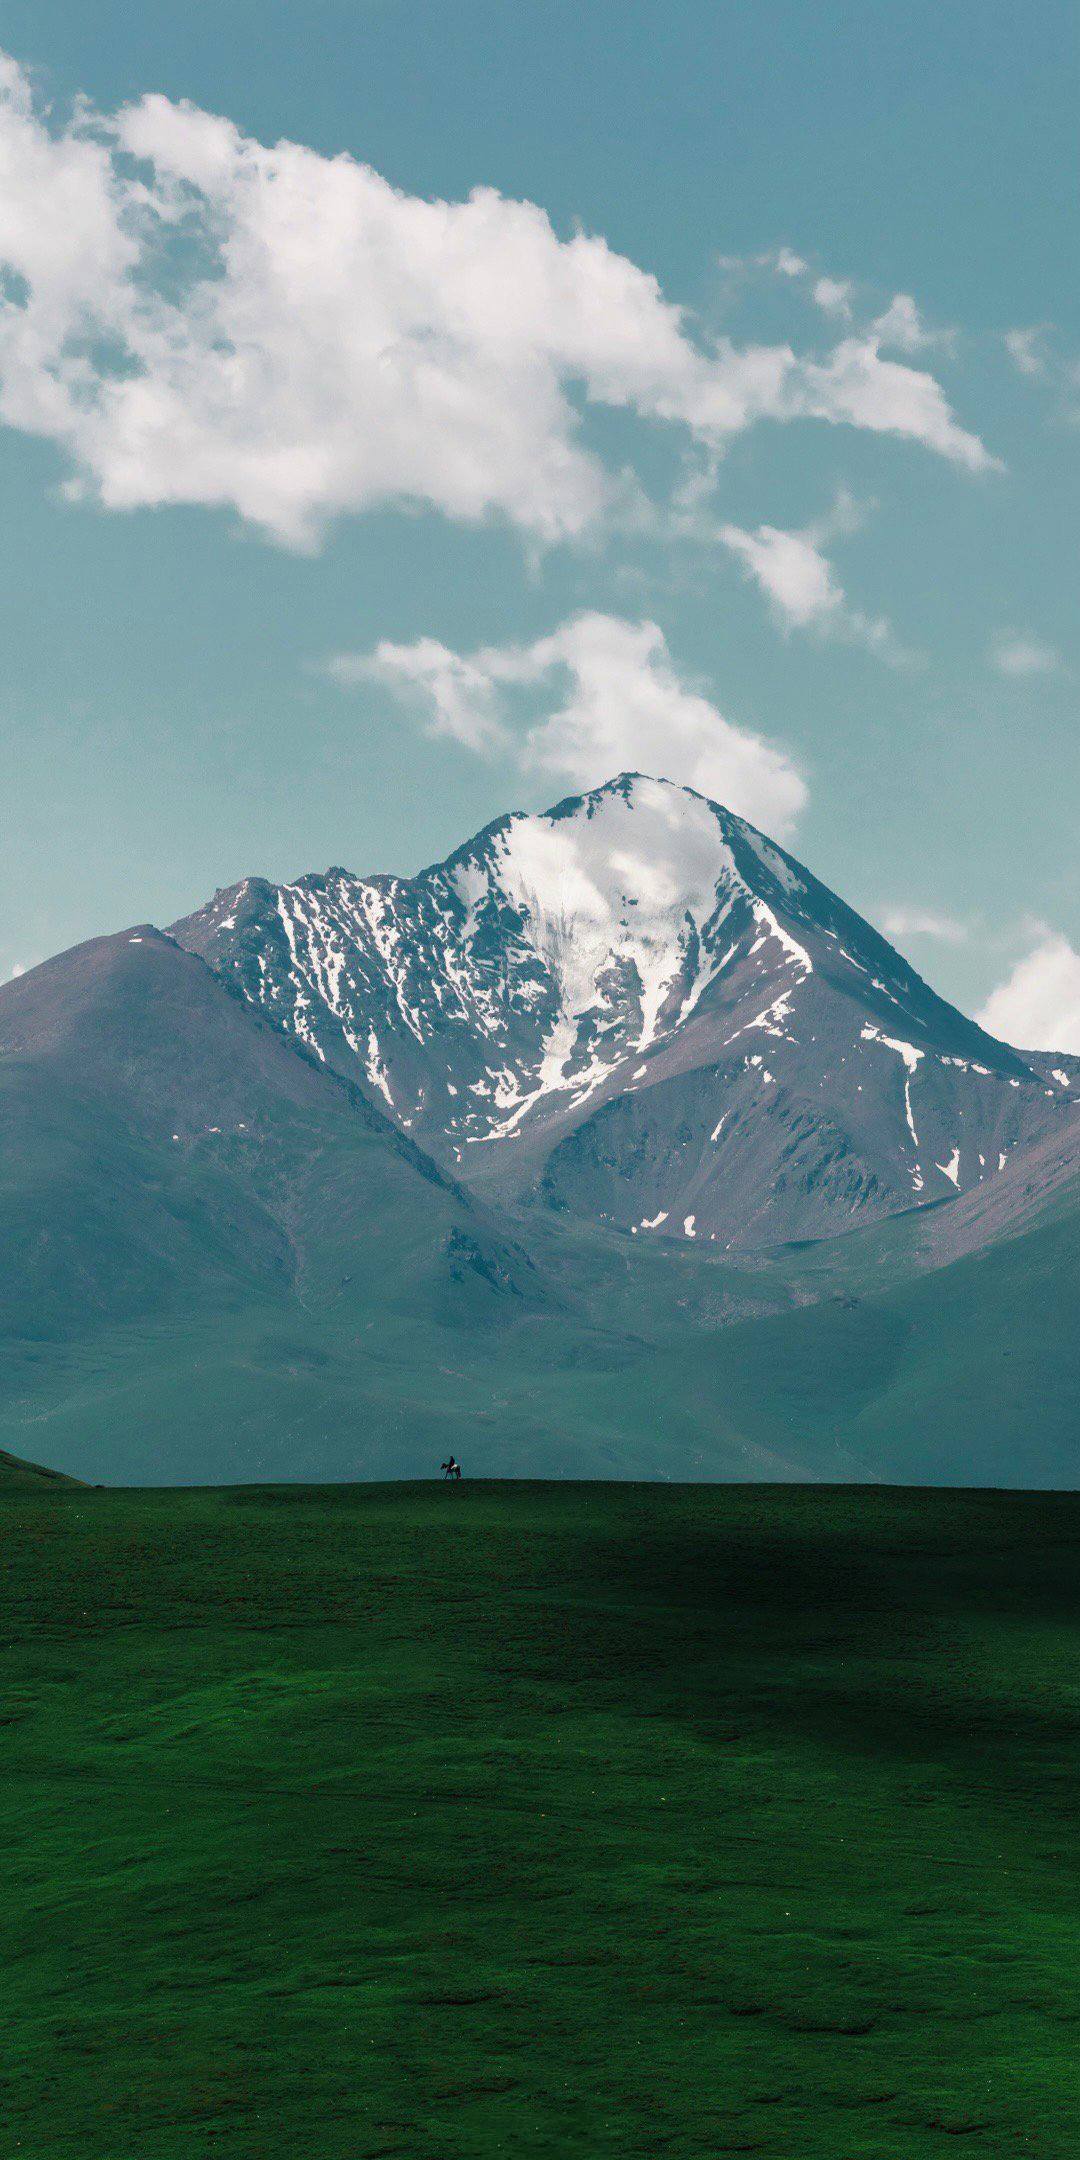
<point x="175" y="1173"/>
<point x="615" y="1146"/>
<point x="223" y="1264"/>
<point x="636" y="1009"/>
<point x="159" y="1136"/>
<point x="16" y="1475"/>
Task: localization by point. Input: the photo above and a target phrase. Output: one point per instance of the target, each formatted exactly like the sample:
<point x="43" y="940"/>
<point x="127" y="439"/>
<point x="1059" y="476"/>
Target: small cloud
<point x="791" y="571"/>
<point x="456" y="694"/>
<point x="1025" y="349"/>
<point x="787" y="262"/>
<point x="904" y="922"/>
<point x="17" y="970"/>
<point x="794" y="573"/>
<point x="834" y="296"/>
<point x="902" y="327"/>
<point x="1021" y="656"/>
<point x="859" y="385"/>
<point x="1037" y="1007"/>
<point x="1034" y="356"/>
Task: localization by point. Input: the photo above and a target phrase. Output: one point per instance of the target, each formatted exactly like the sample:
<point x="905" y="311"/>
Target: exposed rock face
<point x="638" y="1009"/>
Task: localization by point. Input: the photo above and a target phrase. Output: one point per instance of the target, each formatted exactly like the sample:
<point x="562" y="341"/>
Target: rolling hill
<point x="175" y="1174"/>
<point x="575" y="1820"/>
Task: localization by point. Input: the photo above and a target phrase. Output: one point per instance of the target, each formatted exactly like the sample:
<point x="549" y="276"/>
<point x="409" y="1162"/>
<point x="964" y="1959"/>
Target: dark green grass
<point x="540" y="1820"/>
<point x="14" y="1471"/>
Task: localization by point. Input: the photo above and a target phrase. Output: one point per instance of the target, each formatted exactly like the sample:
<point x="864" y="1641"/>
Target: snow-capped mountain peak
<point x="619" y="898"/>
<point x="647" y="1006"/>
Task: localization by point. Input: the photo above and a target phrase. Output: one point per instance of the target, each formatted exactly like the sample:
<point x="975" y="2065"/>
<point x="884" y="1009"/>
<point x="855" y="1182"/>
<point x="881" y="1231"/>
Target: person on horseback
<point x="451" y="1469"/>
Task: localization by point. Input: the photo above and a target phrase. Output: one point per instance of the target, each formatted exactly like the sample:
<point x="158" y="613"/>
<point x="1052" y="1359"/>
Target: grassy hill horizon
<point x="15" y="1471"/>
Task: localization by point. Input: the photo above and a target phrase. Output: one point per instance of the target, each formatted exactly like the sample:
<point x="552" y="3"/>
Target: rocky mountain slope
<point x="503" y="1159"/>
<point x="165" y="1148"/>
<point x="220" y="1262"/>
<point x="637" y="1009"/>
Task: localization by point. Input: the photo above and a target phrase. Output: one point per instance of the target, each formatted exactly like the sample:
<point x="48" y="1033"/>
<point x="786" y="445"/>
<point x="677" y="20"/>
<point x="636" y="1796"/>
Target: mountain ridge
<point x="225" y="1259"/>
<point x="515" y="1006"/>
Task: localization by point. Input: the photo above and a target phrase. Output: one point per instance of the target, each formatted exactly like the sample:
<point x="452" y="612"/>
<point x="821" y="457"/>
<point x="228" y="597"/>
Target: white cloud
<point x="857" y="385"/>
<point x="623" y="708"/>
<point x="902" y="327"/>
<point x="787" y="262"/>
<point x="1038" y="1005"/>
<point x="196" y="317"/>
<point x="799" y="583"/>
<point x="791" y="571"/>
<point x="1025" y="350"/>
<point x="455" y="694"/>
<point x="1034" y="354"/>
<point x="905" y="922"/>
<point x="1020" y="656"/>
<point x="833" y="295"/>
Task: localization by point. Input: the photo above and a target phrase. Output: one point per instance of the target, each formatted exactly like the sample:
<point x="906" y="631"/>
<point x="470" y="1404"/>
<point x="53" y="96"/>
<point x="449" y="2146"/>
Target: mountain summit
<point x="637" y="1008"/>
<point x="237" y="1241"/>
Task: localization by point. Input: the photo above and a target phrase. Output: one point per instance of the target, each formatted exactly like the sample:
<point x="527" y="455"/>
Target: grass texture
<point x="511" y="1819"/>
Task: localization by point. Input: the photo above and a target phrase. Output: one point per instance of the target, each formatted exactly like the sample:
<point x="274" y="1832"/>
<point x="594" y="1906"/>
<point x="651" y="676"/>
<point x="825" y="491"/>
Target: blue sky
<point x="338" y="523"/>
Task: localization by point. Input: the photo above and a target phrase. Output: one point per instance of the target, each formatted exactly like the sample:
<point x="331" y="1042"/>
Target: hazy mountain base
<point x="967" y="1375"/>
<point x="223" y="1264"/>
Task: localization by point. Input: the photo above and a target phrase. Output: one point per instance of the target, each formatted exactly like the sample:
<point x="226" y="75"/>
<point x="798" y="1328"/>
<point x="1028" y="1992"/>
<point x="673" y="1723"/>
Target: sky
<point x="412" y="414"/>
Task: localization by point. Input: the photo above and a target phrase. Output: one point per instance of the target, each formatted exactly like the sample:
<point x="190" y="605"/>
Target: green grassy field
<point x="566" y="1820"/>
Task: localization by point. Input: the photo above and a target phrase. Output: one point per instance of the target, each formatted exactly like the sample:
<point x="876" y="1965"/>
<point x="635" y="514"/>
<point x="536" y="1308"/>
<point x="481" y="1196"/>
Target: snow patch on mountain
<point x="572" y="999"/>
